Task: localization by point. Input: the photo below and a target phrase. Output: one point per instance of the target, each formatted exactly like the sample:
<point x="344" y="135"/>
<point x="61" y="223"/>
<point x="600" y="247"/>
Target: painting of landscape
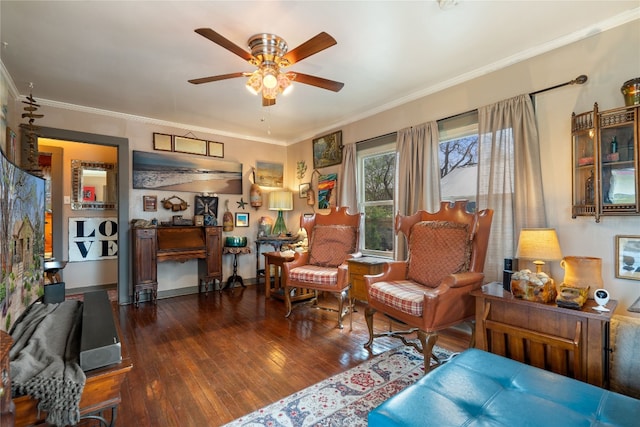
<point x="22" y="244"/>
<point x="183" y="173"/>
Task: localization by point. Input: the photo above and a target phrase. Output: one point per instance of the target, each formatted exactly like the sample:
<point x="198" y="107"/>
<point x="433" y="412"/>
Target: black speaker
<point x="510" y="266"/>
<point x="99" y="340"/>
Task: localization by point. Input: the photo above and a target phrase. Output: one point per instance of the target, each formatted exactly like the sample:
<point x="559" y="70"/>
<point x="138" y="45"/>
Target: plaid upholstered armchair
<point x="430" y="291"/>
<point x="332" y="239"/>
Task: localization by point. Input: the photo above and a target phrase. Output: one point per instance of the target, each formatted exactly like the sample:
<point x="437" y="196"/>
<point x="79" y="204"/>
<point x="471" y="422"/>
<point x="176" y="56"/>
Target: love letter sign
<point x="93" y="239"/>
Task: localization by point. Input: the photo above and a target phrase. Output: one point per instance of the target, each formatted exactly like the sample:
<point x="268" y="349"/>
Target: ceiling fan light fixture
<point x="270" y="54"/>
<point x="284" y="83"/>
<point x="269" y="78"/>
<point x="269" y="93"/>
<point x="254" y="82"/>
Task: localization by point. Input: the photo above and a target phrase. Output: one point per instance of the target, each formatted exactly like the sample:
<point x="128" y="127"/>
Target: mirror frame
<point x="77" y="167"/>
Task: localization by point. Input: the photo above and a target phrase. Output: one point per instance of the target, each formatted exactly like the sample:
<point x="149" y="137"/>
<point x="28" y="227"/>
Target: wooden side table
<point x="277" y="242"/>
<point x="359" y="267"/>
<point x="276" y="260"/>
<point x="569" y="342"/>
<point x="235" y="278"/>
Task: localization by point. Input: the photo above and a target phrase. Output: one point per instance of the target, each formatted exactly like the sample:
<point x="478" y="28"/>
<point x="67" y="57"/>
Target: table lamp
<point x="280" y="201"/>
<point x="538" y="244"/>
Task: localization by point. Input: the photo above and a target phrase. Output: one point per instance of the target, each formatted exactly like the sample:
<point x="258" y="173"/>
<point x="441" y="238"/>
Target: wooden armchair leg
<point x="428" y="341"/>
<point x="340" y="308"/>
<point x="472" y="325"/>
<point x="368" y="316"/>
<point x="287" y="301"/>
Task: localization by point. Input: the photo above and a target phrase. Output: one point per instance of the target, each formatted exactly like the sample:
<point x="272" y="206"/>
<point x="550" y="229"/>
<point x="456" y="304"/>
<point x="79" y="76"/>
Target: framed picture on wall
<point x="628" y="257"/>
<point x="150" y="203"/>
<point x="303" y="190"/>
<point x="242" y="219"/>
<point x="11" y="145"/>
<point x="327" y="150"/>
<point x="269" y="174"/>
<point x="162" y="142"/>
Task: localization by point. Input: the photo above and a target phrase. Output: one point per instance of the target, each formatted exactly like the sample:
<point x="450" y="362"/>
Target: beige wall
<point x="171" y="276"/>
<point x="608" y="59"/>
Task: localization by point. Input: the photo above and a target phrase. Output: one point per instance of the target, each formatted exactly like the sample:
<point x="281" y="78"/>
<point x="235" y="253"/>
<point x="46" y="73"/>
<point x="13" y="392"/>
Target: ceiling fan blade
<point x="224" y="42"/>
<point x="318" y="82"/>
<point x="310" y="47"/>
<point x="215" y="78"/>
<point x="266" y="102"/>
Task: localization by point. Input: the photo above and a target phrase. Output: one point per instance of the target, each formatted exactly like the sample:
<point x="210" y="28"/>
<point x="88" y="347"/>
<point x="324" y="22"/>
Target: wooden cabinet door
<point x="214" y="252"/>
<point x="145" y="248"/>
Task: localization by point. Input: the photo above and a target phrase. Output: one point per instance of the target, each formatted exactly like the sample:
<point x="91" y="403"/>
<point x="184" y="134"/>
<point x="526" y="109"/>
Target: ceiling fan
<point x="270" y="54"/>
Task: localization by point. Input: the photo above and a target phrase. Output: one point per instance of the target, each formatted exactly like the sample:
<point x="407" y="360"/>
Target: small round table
<point x="235" y="278"/>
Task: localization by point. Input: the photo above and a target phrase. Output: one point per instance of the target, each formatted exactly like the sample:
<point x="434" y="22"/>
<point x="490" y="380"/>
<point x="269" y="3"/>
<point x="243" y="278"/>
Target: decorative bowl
<point x="235" y="241"/>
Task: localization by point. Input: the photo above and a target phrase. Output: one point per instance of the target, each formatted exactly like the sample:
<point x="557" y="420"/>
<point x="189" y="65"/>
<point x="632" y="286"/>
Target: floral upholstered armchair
<point x="430" y="290"/>
<point x="333" y="238"/>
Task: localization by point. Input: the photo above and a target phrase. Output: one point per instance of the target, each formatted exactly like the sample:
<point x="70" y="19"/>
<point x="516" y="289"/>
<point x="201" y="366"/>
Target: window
<point x="458" y="158"/>
<point x="376" y="182"/>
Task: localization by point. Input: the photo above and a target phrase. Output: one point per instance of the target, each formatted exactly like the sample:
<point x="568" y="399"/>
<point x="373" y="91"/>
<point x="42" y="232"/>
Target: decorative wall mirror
<point x="93" y="185"/>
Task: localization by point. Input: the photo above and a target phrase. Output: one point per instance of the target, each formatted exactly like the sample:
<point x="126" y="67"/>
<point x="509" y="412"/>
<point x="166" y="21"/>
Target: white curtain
<point x="348" y="195"/>
<point x="418" y="172"/>
<point x="509" y="176"/>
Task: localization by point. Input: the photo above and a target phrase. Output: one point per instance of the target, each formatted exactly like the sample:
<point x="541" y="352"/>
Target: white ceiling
<point x="135" y="57"/>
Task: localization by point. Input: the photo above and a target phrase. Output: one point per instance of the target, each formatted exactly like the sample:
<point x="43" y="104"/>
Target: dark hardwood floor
<point x="205" y="360"/>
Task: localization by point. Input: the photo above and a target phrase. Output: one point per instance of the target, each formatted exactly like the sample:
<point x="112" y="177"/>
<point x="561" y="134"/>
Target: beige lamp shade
<point x="539" y="245"/>
<point x="281" y="201"/>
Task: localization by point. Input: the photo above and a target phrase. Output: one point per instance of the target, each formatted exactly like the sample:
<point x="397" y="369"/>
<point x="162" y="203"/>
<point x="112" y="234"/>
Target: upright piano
<point x="177" y="243"/>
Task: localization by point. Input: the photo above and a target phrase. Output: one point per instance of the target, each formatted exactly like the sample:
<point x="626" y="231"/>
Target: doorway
<point x="122" y="146"/>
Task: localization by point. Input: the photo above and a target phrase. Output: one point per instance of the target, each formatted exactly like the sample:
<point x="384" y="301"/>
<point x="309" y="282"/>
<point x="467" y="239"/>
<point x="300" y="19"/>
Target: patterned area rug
<point x="113" y="295"/>
<point x="345" y="399"/>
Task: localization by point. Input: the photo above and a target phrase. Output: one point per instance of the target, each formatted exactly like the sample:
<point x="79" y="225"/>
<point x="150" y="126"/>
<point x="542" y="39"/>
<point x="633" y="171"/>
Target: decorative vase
<point x="631" y="92"/>
<point x="264" y="226"/>
<point x="227" y="218"/>
<point x="280" y="227"/>
<point x="255" y="196"/>
<point x="582" y="272"/>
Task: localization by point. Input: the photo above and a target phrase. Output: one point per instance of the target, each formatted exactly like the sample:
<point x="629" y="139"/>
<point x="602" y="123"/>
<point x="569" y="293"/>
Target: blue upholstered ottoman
<point x="478" y="388"/>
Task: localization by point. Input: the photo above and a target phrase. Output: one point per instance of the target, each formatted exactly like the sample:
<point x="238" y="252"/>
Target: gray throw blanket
<point x="44" y="360"/>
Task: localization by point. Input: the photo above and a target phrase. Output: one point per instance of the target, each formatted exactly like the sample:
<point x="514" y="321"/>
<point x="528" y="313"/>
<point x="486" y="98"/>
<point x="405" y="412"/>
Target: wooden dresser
<point x="569" y="342"/>
<point x="174" y="243"/>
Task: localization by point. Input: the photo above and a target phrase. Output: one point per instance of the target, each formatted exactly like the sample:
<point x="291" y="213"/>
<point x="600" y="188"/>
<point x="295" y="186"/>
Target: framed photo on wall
<point x="162" y="142"/>
<point x="628" y="257"/>
<point x="242" y="219"/>
<point x="150" y="203"/>
<point x="303" y="190"/>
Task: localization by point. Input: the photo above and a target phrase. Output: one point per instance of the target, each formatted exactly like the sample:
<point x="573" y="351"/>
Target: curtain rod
<point x="578" y="80"/>
<point x="581" y="79"/>
<point x="376" y="137"/>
